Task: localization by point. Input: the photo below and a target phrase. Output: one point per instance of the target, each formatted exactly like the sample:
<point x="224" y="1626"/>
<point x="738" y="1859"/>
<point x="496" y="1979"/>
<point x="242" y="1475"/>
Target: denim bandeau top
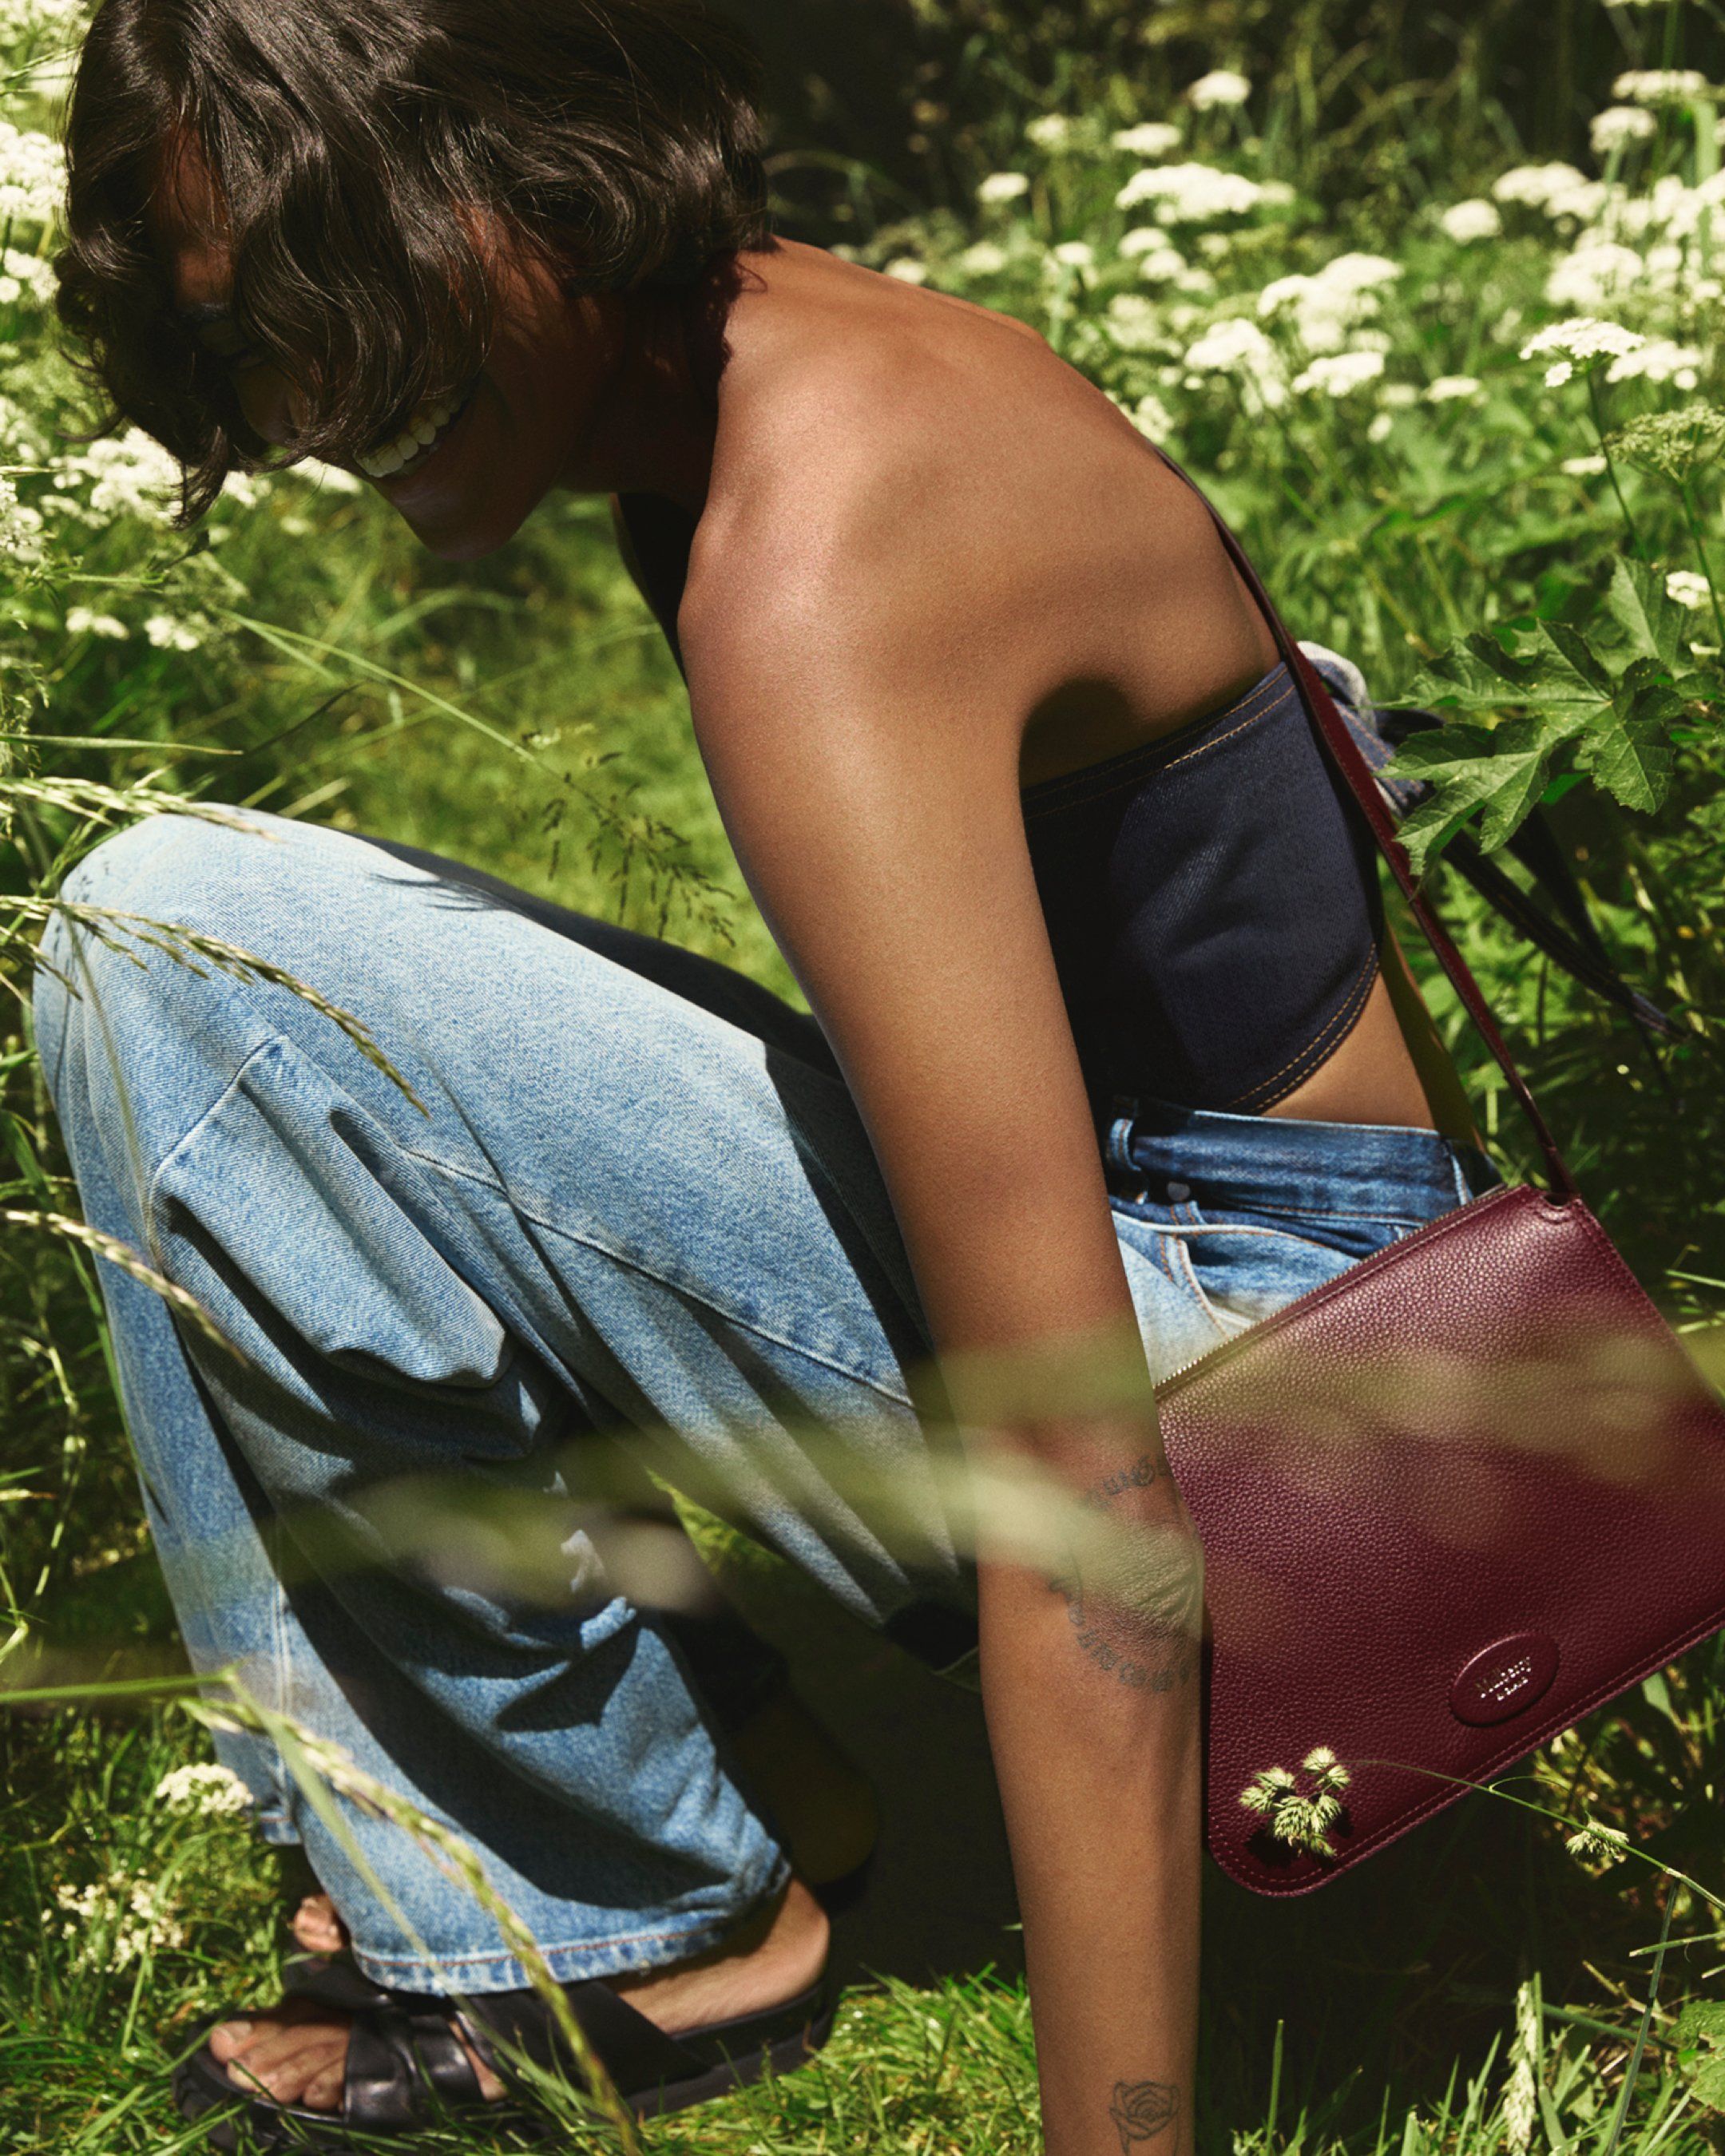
<point x="1213" y="903"/>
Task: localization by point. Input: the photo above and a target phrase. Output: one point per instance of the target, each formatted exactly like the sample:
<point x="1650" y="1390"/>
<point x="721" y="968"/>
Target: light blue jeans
<point x="630" y="1194"/>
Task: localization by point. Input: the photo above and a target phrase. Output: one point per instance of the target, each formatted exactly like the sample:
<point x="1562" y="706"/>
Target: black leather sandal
<point x="405" y="2062"/>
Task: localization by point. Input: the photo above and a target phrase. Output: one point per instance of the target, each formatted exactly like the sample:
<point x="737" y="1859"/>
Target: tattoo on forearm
<point x="1143" y="2110"/>
<point x="1139" y="1476"/>
<point x="1144" y="1635"/>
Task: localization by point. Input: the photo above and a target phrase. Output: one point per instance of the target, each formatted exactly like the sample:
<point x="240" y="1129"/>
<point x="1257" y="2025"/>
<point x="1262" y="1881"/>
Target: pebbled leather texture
<point x="1485" y="1436"/>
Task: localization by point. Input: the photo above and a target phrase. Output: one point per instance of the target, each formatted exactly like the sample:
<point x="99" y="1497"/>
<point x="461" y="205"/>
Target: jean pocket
<point x="312" y="1241"/>
<point x="1242" y="1272"/>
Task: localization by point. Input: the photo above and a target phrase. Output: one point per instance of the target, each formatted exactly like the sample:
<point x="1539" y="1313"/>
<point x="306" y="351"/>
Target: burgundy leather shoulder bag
<point x="1451" y="1501"/>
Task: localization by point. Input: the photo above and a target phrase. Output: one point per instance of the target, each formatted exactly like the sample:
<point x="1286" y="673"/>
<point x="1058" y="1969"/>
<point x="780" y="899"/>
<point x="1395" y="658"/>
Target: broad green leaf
<point x="1476" y="675"/>
<point x="1499" y="772"/>
<point x="1709" y="2084"/>
<point x="1627" y="748"/>
<point x="1652" y="623"/>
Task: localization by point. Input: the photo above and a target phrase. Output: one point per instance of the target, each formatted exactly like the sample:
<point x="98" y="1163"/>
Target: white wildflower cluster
<point x="1659" y="359"/>
<point x="1661" y="86"/>
<point x="204" y="1787"/>
<point x="1050" y="130"/>
<point x="1619" y="127"/>
<point x="80" y="621"/>
<point x="1581" y="346"/>
<point x="168" y="633"/>
<point x="1220" y="87"/>
<point x="1687" y="589"/>
<point x="1474" y="219"/>
<point x="986" y="258"/>
<point x="128" y="475"/>
<point x="117" y="1922"/>
<point x="1339" y="374"/>
<point x="1134" y="321"/>
<point x="1158" y="257"/>
<point x="20" y="527"/>
<point x="1073" y="254"/>
<point x="24" y="276"/>
<point x="33" y="176"/>
<point x="1001" y="187"/>
<point x="1453" y="389"/>
<point x="908" y="269"/>
<point x="1558" y="189"/>
<point x="1150" y="138"/>
<point x="1197" y="194"/>
<point x="1328" y="307"/>
<point x="1238" y="347"/>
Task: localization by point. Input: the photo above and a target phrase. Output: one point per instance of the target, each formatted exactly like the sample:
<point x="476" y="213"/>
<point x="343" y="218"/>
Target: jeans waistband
<point x="1284" y="1164"/>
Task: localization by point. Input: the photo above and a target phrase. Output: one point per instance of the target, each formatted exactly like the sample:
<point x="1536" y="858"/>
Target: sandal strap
<point x="397" y="2046"/>
<point x="635" y="2052"/>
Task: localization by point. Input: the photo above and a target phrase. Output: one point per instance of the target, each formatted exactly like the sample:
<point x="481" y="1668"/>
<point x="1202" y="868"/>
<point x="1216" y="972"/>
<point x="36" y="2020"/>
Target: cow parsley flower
<point x="1620" y="126"/>
<point x="907" y="270"/>
<point x="1220" y="87"/>
<point x="130" y="475"/>
<point x="1328" y="306"/>
<point x="117" y="1921"/>
<point x="1150" y="138"/>
<point x="167" y="634"/>
<point x="1661" y="359"/>
<point x="1661" y="86"/>
<point x="1591" y="467"/>
<point x="25" y="276"/>
<point x="1452" y="388"/>
<point x="984" y="259"/>
<point x="1466" y="222"/>
<point x="20" y="527"/>
<point x="33" y="176"/>
<point x="1686" y="589"/>
<point x="1339" y="374"/>
<point x="81" y="622"/>
<point x="1240" y="349"/>
<point x="1074" y="254"/>
<point x="1558" y="189"/>
<point x="1582" y="345"/>
<point x="1050" y="130"/>
<point x="1134" y="321"/>
<point x="203" y="1786"/>
<point x="1149" y="247"/>
<point x="1003" y="188"/>
<point x="1191" y="193"/>
<point x="1597" y="271"/>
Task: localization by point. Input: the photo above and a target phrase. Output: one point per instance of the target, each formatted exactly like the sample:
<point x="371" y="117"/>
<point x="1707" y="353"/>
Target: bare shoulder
<point x="916" y="479"/>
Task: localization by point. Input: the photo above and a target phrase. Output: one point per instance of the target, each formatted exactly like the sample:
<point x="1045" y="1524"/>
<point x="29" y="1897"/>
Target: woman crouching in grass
<point x="1110" y="1051"/>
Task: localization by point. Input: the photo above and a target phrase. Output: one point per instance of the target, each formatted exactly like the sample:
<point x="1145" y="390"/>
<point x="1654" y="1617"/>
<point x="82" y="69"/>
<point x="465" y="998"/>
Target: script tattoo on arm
<point x="1146" y="1633"/>
<point x="1143" y="2110"/>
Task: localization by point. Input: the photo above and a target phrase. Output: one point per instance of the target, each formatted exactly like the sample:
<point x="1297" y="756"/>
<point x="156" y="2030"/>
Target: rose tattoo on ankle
<point x="1142" y="2110"/>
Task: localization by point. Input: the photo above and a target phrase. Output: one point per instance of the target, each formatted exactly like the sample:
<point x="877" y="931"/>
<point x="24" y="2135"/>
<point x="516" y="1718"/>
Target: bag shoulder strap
<point x="1331" y="729"/>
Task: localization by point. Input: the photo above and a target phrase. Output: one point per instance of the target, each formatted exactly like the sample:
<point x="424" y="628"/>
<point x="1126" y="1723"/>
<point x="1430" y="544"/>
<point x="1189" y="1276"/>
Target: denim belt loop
<point x="1118" y="1149"/>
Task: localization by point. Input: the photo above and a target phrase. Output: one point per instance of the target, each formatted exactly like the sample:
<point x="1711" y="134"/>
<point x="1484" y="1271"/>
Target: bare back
<point x="969" y="505"/>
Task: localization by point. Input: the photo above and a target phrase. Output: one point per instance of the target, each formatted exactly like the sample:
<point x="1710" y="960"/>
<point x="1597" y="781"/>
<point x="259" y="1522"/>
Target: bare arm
<point x="876" y="817"/>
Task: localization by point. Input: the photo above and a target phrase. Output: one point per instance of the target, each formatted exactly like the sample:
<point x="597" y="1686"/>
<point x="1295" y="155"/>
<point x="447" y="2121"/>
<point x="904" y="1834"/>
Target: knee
<point x="162" y="872"/>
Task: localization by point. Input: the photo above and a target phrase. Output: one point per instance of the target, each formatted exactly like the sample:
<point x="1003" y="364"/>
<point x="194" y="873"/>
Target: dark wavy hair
<point x="348" y="140"/>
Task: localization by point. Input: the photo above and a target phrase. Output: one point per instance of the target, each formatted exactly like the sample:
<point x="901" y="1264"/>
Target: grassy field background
<point x="1482" y="1986"/>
